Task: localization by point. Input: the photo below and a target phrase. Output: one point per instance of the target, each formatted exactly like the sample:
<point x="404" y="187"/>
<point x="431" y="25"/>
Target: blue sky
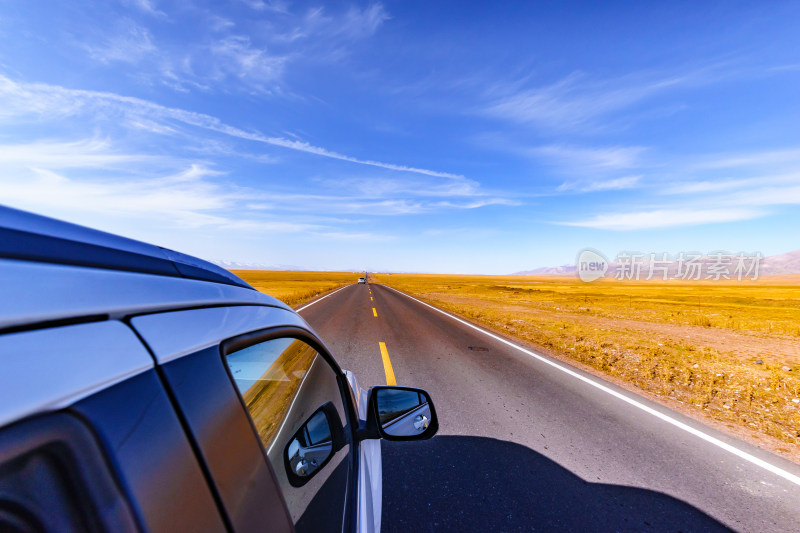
<point x="407" y="136"/>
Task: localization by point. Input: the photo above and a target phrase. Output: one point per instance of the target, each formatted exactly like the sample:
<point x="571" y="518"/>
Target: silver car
<point x="145" y="390"/>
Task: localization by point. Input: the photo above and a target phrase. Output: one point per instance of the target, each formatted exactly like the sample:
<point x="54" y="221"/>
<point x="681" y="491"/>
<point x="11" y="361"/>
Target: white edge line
<point x="319" y="299"/>
<point x="666" y="418"/>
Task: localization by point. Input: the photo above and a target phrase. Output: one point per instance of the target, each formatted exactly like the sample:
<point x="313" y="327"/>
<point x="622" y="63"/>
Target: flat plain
<point x="729" y="351"/>
<point x="296" y="287"/>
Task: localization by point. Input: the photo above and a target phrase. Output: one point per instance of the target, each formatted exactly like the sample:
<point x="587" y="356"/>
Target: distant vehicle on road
<point x="146" y="390"/>
<point x="362" y="280"/>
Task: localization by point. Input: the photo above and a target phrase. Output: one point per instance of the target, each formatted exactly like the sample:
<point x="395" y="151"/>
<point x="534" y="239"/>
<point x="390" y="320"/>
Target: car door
<point x="268" y="409"/>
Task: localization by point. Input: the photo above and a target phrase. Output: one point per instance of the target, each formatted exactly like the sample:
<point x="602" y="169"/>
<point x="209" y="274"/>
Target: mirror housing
<point x="313" y="445"/>
<point x="400" y="413"/>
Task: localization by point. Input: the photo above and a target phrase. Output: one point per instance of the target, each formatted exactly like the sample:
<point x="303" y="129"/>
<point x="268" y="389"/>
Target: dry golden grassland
<point x="729" y="350"/>
<point x="295" y="288"/>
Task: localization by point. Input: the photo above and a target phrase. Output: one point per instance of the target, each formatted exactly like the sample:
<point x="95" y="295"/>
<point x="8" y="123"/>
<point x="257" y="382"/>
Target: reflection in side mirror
<point x="404" y="413"/>
<point x="311" y="447"/>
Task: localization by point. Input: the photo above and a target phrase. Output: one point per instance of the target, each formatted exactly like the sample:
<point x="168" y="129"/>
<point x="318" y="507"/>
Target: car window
<point x="294" y="400"/>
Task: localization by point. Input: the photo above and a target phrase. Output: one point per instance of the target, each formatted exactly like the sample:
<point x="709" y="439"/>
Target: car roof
<point x="32" y="237"/>
<point x="55" y="271"/>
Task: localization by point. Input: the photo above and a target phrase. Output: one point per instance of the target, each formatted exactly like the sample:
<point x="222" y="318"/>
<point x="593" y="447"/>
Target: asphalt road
<point x="525" y="446"/>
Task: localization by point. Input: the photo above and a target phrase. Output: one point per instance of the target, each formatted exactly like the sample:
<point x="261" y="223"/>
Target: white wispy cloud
<point x="188" y="198"/>
<point x="308" y="148"/>
<point x="576" y="100"/>
<point x="93" y="176"/>
<point x="219" y="24"/>
<point x="229" y="62"/>
<point x="237" y="55"/>
<point x="223" y="56"/>
<point x="756" y="178"/>
<point x="151" y="126"/>
<point x="86" y="153"/>
<point x="475" y="204"/>
<point x="577" y="159"/>
<point x="664" y="218"/>
<point x="764" y="196"/>
<point x="359" y="237"/>
<point x="592" y="169"/>
<point x="56" y="101"/>
<point x="372" y="186"/>
<point x="580" y="103"/>
<point x="320" y="24"/>
<point x="261" y="5"/>
<point x="128" y="43"/>
<point x="704" y="185"/>
<point x="789" y="67"/>
<point x="627" y="182"/>
<point x="586" y="166"/>
<point x="146" y="6"/>
<point x="392" y="196"/>
<point x="368" y="205"/>
<point x="764" y="181"/>
<point x="466" y="232"/>
<point x="359" y="23"/>
<point x="761" y="160"/>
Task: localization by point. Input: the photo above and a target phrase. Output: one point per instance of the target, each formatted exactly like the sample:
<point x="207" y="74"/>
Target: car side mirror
<point x="402" y="413"/>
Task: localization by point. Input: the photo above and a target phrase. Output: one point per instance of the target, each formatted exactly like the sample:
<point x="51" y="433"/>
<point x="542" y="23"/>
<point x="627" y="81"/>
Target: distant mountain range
<point x="788" y="263"/>
<point x="549" y="271"/>
<point x="237" y="265"/>
<point x="774" y="265"/>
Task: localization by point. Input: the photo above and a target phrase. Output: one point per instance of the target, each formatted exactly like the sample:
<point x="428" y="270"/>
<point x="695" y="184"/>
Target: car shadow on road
<point x="454" y="483"/>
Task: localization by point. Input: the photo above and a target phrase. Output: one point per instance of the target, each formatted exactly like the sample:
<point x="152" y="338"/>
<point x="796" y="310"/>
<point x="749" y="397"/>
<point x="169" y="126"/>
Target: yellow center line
<point x="387" y="365"/>
<point x="370" y="298"/>
<point x="374" y="312"/>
